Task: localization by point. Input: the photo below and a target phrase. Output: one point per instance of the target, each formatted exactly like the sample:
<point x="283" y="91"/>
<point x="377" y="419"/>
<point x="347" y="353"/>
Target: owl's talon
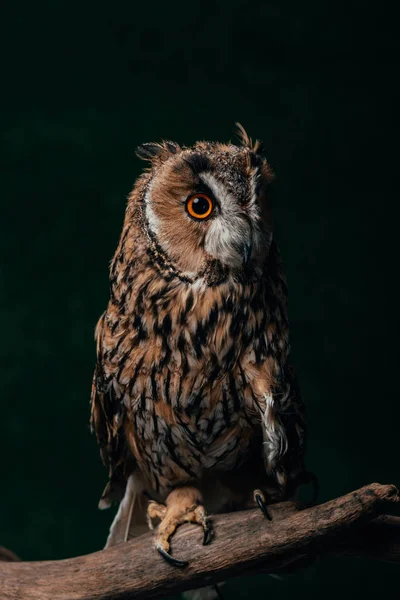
<point x="176" y="562"/>
<point x="183" y="505"/>
<point x="259" y="498"/>
<point x="207" y="535"/>
<point x="200" y="517"/>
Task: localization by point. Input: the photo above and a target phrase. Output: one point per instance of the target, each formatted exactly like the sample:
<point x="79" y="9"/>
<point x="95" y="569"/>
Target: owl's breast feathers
<point x="185" y="371"/>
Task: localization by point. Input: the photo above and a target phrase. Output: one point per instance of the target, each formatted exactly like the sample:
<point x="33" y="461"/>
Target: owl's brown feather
<point x="193" y="383"/>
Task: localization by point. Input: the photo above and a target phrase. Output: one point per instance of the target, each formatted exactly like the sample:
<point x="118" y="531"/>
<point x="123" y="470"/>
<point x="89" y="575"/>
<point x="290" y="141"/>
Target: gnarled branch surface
<point x="244" y="543"/>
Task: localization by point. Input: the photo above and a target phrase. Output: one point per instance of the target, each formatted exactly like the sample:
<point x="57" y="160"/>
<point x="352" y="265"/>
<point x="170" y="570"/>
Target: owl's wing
<point x="124" y="485"/>
<point x="284" y="423"/>
<point x="106" y="421"/>
<point x="290" y="414"/>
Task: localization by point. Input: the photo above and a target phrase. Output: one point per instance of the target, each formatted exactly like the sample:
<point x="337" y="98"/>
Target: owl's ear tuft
<point x="173" y="147"/>
<point x="148" y="151"/>
<point x="246" y="140"/>
<point x="157" y="152"/>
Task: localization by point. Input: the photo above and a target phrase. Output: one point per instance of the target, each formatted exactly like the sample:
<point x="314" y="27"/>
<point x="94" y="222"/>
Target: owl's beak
<point x="247" y="252"/>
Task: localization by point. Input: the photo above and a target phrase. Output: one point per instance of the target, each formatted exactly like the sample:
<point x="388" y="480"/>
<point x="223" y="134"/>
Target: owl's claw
<point x="183" y="506"/>
<point x="176" y="562"/>
<point x="207" y="533"/>
<point x="260" y="499"/>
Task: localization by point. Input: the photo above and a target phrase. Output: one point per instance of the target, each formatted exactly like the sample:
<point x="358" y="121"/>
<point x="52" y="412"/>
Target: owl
<point x="195" y="403"/>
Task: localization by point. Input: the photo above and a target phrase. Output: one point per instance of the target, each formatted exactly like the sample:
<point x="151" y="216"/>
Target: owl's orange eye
<point x="199" y="206"/>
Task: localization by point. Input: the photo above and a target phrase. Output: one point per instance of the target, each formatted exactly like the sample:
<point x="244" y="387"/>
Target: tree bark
<point x="244" y="543"/>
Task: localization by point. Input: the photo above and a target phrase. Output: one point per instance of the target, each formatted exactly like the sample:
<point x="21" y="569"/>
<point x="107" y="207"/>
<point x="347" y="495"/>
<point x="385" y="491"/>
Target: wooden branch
<point x="245" y="543"/>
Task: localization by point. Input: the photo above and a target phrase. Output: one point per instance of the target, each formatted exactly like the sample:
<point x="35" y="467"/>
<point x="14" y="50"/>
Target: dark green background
<point x="82" y="86"/>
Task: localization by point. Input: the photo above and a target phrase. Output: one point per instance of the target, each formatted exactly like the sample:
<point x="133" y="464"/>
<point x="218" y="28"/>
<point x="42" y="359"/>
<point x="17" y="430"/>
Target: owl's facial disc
<point x="206" y="205"/>
<point x="233" y="233"/>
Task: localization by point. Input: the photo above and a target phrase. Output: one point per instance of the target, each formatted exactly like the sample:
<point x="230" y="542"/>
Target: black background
<point x="82" y="86"/>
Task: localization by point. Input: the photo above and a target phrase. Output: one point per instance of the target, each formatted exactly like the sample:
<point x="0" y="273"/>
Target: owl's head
<point x="207" y="204"/>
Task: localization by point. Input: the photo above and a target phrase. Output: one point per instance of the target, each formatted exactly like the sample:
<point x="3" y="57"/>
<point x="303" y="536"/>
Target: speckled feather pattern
<point x="193" y="379"/>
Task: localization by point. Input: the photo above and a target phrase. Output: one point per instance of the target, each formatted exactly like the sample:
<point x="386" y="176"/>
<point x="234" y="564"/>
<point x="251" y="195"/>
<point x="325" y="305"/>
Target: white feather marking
<point x="275" y="440"/>
<point x="229" y="232"/>
<point x="198" y="285"/>
<point x="152" y="219"/>
<point x="216" y="186"/>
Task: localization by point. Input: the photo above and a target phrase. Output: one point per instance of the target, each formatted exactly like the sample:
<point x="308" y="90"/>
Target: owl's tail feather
<point x="130" y="520"/>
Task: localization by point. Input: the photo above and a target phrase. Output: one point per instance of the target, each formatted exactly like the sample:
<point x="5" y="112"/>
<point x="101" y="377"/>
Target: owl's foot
<point x="259" y="498"/>
<point x="183" y="506"/>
